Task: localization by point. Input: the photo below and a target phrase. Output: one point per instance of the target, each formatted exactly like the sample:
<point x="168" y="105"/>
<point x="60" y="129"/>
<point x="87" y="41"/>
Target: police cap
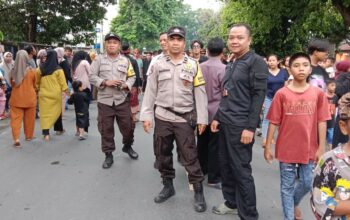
<point x="112" y="36"/>
<point x="177" y="30"/>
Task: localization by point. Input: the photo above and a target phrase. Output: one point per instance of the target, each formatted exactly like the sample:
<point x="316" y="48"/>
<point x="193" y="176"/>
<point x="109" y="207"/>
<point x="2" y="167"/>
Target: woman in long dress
<point x="23" y="99"/>
<point x="51" y="83"/>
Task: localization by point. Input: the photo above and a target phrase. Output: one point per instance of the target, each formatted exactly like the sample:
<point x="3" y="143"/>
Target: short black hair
<point x="331" y="59"/>
<point x="76" y="84"/>
<point x="216" y="46"/>
<point x="298" y="55"/>
<point x="164" y="32"/>
<point x="329" y="81"/>
<point x="69" y="49"/>
<point x="197" y="41"/>
<point x="247" y="26"/>
<point x="271" y="55"/>
<point x="29" y="49"/>
<point x="318" y="45"/>
<point x="125" y="46"/>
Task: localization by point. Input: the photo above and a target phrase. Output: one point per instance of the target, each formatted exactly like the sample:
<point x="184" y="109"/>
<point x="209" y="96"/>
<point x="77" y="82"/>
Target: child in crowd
<point x="331" y="187"/>
<point x="300" y="112"/>
<point x="81" y="105"/>
<point x="332" y="101"/>
<point x="2" y="98"/>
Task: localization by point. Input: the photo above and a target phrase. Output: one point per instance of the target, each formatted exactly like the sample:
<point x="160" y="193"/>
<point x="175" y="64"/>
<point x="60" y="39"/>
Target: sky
<point x="195" y="4"/>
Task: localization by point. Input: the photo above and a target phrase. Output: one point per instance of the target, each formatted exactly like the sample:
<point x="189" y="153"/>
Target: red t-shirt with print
<point x="297" y="114"/>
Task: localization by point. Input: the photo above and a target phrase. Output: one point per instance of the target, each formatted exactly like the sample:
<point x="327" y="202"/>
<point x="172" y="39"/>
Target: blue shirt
<point x="274" y="83"/>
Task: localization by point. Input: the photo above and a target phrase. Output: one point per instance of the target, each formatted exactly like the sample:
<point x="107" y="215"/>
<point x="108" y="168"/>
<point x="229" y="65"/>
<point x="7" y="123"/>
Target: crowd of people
<point x="211" y="102"/>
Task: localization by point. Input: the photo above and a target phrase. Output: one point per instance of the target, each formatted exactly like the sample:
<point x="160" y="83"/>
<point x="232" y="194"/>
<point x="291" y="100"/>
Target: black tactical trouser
<point x="165" y="133"/>
<point x="208" y="155"/>
<point x="106" y="117"/>
<point x="236" y="173"/>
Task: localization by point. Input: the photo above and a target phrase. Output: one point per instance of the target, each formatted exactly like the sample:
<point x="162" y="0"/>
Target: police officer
<point x="238" y="115"/>
<point x="113" y="76"/>
<point x="175" y="89"/>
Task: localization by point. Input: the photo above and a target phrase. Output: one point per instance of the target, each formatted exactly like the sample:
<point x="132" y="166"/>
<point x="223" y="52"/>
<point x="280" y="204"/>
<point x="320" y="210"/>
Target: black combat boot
<point x="167" y="191"/>
<point x="108" y="161"/>
<point x="128" y="149"/>
<point x="199" y="200"/>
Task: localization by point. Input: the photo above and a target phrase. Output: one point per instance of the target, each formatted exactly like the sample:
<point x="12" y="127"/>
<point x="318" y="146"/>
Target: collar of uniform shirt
<point x="185" y="58"/>
<point x="110" y="58"/>
<point x="242" y="55"/>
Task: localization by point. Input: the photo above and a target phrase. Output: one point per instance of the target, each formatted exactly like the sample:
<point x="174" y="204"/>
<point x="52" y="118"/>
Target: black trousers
<point x="236" y="173"/>
<point x="208" y="155"/>
<point x="58" y="126"/>
<point x="107" y="115"/>
<point x="165" y="133"/>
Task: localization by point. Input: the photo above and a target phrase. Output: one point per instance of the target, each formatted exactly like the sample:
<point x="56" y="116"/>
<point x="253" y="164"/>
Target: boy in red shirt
<point x="300" y="112"/>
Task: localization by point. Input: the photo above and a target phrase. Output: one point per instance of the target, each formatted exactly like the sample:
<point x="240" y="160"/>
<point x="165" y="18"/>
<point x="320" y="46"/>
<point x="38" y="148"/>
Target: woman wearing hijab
<point x="7" y="66"/>
<point x="342" y="80"/>
<point x="81" y="67"/>
<point x="41" y="57"/>
<point x="51" y="83"/>
<point x="23" y="99"/>
<point x="63" y="63"/>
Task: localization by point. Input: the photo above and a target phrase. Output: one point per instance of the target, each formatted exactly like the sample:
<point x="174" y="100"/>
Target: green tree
<point x="283" y="26"/>
<point x="140" y="21"/>
<point x="47" y="21"/>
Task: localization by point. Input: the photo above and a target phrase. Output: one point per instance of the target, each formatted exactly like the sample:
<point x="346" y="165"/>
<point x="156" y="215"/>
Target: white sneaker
<point x="222" y="209"/>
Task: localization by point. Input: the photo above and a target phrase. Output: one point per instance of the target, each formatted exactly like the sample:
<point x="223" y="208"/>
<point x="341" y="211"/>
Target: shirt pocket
<point x="187" y="81"/>
<point x="122" y="70"/>
<point x="164" y="80"/>
<point x="105" y="70"/>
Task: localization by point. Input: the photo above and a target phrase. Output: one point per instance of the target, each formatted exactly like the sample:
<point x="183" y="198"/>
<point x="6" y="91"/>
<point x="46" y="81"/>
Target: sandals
<point x="60" y="132"/>
<point x="17" y="144"/>
<point x="46" y="137"/>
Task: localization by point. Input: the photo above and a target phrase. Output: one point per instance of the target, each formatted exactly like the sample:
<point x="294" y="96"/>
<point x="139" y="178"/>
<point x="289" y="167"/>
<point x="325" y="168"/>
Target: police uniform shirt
<point x="175" y="86"/>
<point x="245" y="84"/>
<point x="104" y="68"/>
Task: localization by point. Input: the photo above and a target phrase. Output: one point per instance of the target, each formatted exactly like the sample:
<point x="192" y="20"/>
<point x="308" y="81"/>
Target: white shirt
<point x="153" y="61"/>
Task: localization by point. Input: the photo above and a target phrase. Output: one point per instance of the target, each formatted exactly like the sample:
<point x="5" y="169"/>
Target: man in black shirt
<point x="237" y="118"/>
<point x="318" y="51"/>
<point x="196" y="47"/>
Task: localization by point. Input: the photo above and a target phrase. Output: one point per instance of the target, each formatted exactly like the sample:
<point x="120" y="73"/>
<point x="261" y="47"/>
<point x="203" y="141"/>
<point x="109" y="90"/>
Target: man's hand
<point x="268" y="154"/>
<point x="247" y="136"/>
<point x="201" y="128"/>
<point x="147" y="126"/>
<point x="214" y="126"/>
<point x="113" y="83"/>
<point x="319" y="154"/>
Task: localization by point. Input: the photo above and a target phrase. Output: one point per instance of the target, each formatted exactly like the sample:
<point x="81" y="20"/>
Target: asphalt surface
<point x="63" y="180"/>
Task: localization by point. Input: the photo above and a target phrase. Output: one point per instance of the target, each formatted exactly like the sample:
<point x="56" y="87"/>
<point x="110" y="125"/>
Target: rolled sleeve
<point x="201" y="104"/>
<point x="147" y="109"/>
<point x="94" y="74"/>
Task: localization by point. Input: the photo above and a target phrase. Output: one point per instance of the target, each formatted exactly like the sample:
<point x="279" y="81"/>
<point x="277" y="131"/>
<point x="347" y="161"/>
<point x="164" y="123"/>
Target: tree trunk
<point x="344" y="11"/>
<point x="32" y="27"/>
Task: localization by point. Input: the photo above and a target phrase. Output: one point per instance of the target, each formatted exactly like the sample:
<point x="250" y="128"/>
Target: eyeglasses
<point x="196" y="46"/>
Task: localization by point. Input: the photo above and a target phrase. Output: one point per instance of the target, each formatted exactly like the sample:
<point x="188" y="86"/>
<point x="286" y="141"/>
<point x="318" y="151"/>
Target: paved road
<point x="63" y="180"/>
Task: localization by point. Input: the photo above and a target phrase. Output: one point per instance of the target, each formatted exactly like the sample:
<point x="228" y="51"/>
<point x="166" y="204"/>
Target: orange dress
<point x="23" y="106"/>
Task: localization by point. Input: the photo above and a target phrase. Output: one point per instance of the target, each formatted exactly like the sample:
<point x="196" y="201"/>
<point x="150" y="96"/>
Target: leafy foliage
<point x="141" y="21"/>
<point x="47" y="21"/>
<point x="283" y="26"/>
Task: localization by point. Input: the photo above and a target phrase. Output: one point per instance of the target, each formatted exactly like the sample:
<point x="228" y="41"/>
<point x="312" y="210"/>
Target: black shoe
<point x="167" y="191"/>
<point x="199" y="201"/>
<point x="108" y="161"/>
<point x="132" y="154"/>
